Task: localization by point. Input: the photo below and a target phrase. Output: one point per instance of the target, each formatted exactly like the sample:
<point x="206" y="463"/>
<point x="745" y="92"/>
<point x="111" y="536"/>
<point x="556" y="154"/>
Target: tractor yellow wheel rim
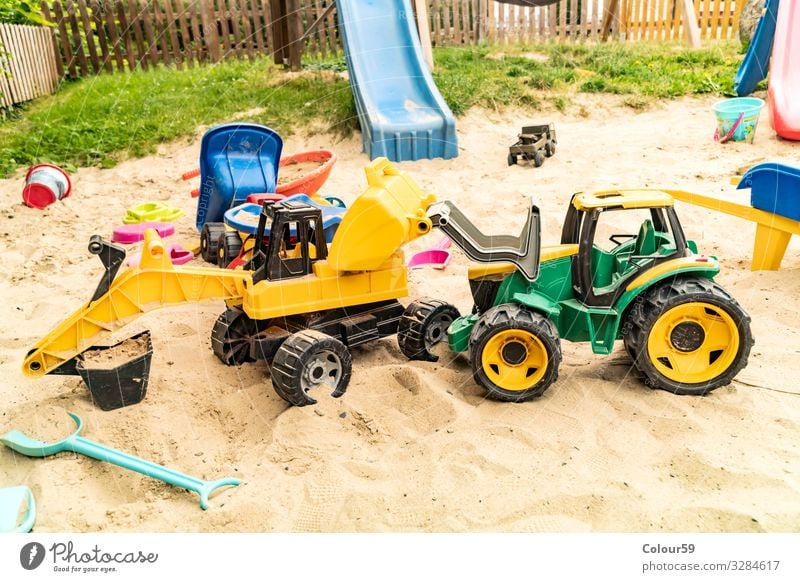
<point x="693" y="343"/>
<point x="514" y="359"/>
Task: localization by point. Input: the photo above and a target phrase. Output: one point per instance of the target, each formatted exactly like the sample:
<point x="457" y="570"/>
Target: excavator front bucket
<point x="522" y="251"/>
<point x="387" y="215"/>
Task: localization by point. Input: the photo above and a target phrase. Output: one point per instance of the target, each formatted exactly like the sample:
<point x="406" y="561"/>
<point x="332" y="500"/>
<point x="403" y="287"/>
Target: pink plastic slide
<point x="784" y="72"/>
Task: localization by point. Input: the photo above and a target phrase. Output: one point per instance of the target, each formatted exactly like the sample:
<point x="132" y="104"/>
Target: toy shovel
<point x="76" y="443"/>
<point x="437" y="256"/>
<point x="12" y="499"/>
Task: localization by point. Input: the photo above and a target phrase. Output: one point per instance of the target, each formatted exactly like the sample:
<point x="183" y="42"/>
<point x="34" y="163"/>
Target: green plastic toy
<point x="152" y="211"/>
<point x="623" y="270"/>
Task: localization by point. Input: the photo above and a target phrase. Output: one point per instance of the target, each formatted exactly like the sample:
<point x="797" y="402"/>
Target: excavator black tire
<point x="231" y="337"/>
<point x="228" y="248"/>
<point x="423" y="325"/>
<point x="307" y="360"/>
<point x="209" y="240"/>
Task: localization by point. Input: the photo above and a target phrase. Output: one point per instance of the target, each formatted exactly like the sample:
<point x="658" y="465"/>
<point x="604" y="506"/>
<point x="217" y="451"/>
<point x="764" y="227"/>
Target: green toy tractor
<point x="624" y="270"/>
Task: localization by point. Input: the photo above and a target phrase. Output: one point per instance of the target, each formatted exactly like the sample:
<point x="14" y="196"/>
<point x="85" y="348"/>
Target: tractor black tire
<point x="550" y="148"/>
<point x="231" y="337"/>
<point x="228" y="248"/>
<point x="509" y="341"/>
<point x="538" y="159"/>
<point x="512" y="159"/>
<point x="209" y="240"/>
<point x="423" y="325"/>
<point x="688" y="336"/>
<point x="306" y="360"/>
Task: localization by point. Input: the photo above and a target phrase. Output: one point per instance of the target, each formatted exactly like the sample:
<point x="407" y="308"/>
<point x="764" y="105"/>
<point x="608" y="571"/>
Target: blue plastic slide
<point x="236" y="160"/>
<point x="755" y="65"/>
<point x="402" y="114"/>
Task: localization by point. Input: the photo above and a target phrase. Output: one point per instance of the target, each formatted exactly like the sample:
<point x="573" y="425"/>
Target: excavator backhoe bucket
<point x="117" y="374"/>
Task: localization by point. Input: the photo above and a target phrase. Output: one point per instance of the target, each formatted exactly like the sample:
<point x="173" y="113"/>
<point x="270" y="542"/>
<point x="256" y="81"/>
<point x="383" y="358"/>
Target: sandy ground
<point x="416" y="446"/>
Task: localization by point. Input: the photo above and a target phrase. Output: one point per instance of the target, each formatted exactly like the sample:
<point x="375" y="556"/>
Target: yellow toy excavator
<point x="297" y="302"/>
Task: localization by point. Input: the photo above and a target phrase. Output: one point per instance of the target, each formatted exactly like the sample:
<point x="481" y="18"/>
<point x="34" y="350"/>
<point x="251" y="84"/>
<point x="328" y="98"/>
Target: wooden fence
<point x="661" y="19"/>
<point x="578" y="20"/>
<point x="568" y="20"/>
<point x="119" y="35"/>
<point x="27" y="63"/>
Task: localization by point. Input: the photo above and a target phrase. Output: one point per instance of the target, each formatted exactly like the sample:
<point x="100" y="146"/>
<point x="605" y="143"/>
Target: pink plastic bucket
<point x="44" y="184"/>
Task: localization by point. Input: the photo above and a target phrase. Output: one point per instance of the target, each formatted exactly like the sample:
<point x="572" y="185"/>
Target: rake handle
<point x="100" y="452"/>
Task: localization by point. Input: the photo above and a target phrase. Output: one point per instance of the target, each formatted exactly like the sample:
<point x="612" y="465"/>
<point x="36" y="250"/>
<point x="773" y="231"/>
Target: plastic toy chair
<point x="236" y="160"/>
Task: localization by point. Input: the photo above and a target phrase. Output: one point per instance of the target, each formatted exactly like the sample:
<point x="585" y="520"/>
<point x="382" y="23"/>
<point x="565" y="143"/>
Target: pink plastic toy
<point x="437" y="256"/>
<point x="132" y="233"/>
<point x="177" y="254"/>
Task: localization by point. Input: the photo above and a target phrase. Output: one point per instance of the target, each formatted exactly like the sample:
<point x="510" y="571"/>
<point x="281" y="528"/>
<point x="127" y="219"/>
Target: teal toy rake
<point x="32" y="448"/>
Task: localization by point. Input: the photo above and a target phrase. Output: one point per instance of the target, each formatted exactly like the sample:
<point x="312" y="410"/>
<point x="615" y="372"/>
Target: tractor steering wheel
<point x="613" y="238"/>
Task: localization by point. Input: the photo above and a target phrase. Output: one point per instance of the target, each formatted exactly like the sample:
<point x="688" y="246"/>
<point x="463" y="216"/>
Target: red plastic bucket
<point x="311" y="182"/>
<point x="44" y="184"/>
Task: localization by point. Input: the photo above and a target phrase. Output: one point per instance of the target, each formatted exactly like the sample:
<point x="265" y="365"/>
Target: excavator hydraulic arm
<point x="118" y="300"/>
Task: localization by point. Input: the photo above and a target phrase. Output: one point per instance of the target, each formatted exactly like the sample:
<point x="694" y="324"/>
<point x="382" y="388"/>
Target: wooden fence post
<point x="295" y="26"/>
<point x="690" y="24"/>
<point x="210" y="29"/>
<point x="612" y="14"/>
<point x="59" y="59"/>
<point x="69" y="11"/>
<point x="424" y="28"/>
<point x="280" y="31"/>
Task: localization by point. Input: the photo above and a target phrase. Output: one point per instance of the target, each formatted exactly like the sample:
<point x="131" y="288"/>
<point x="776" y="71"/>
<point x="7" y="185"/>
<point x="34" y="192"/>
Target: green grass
<point x="548" y="75"/>
<point x="100" y="120"/>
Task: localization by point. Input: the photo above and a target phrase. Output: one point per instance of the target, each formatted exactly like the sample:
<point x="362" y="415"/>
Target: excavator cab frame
<point x="296" y="241"/>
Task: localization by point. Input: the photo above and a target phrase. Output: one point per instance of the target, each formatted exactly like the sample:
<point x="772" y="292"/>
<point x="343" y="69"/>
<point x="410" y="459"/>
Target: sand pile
<point x="416" y="446"/>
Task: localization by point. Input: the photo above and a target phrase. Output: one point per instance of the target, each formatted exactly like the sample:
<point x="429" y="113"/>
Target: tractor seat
<point x="646" y="240"/>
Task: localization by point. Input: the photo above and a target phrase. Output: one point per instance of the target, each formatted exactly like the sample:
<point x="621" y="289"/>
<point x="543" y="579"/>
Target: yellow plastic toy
<point x="773" y="231"/>
<point x="301" y="306"/>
